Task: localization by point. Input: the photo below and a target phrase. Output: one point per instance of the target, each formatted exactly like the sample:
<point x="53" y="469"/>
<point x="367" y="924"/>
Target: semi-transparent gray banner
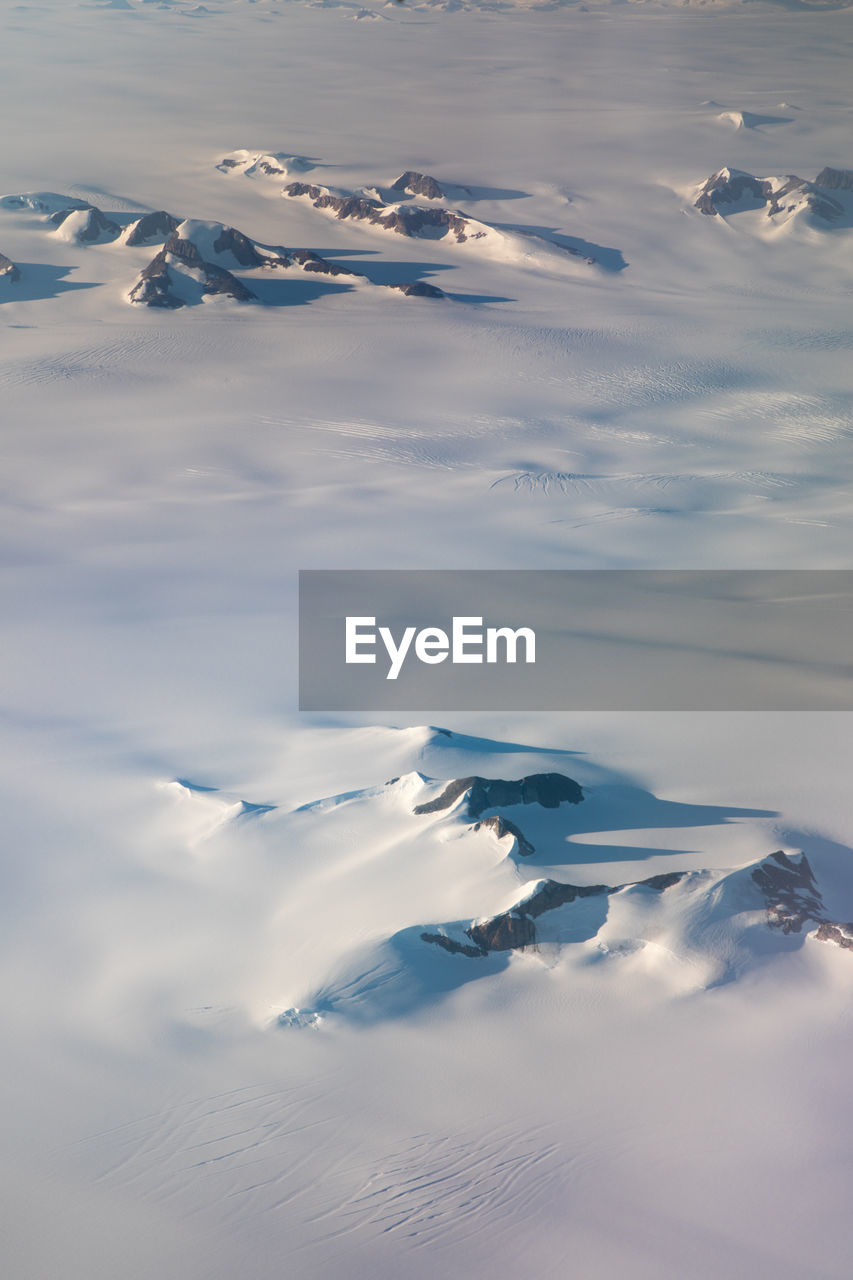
<point x="549" y="640"/>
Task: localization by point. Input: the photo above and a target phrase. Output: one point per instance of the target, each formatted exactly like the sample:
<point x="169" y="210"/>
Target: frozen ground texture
<point x="228" y="1048"/>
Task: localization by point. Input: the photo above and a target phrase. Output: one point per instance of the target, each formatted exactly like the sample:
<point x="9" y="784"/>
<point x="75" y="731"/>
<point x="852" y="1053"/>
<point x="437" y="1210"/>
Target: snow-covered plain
<point x="227" y="1049"/>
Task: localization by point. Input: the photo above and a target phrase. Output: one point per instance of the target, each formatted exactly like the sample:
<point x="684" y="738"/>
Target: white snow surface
<point x="227" y="1049"/>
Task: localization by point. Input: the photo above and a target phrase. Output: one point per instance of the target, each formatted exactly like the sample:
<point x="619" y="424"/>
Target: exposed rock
<point x="418" y="184"/>
<point x="343" y="206"/>
<point x="548" y="789"/>
<point x="269" y="165"/>
<point x="418" y="289"/>
<point x="503" y="827"/>
<point x="414" y="221"/>
<point x="835" y="179"/>
<point x="514" y="929"/>
<point x="550" y="894"/>
<point x="794" y="899"/>
<point x="790" y="891"/>
<point x="310" y="261"/>
<point x="241" y="247"/>
<point x="662" y="882"/>
<point x="406" y="221"/>
<point x="8" y="270"/>
<point x="840" y="934"/>
<point x="731" y="187"/>
<point x="507" y="932"/>
<point x="151" y="228"/>
<point x="227" y="247"/>
<point x="450" y="944"/>
<point x="157" y="287"/>
<point x="90" y="225"/>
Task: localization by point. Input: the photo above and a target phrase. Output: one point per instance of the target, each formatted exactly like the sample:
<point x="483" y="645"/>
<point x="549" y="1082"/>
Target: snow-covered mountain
<point x="825" y="202"/>
<point x="197" y="260"/>
<point x="685" y="929"/>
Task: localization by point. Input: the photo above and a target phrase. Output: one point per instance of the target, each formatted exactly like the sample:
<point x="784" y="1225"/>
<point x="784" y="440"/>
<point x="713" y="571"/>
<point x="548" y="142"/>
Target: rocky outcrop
<point x="418" y="289"/>
<point x="835" y="179"/>
<point x="732" y="187"/>
<point x="455" y="948"/>
<point x="418" y="184"/>
<point x="503" y="827"/>
<point x="242" y="249"/>
<point x="8" y="270"/>
<point x="212" y="251"/>
<point x="793" y="899"/>
<point x="510" y="931"/>
<point x="729" y="186"/>
<point x="414" y="221"/>
<point x="157" y="286"/>
<point x="227" y="247"/>
<point x="840" y="934"/>
<point x="344" y="206"/>
<point x="406" y="221"/>
<point x="515" y="929"/>
<point x="269" y="165"/>
<point x="151" y="228"/>
<point x="310" y="261"/>
<point x="790" y="891"/>
<point x="547" y="789"/>
<point x="90" y="226"/>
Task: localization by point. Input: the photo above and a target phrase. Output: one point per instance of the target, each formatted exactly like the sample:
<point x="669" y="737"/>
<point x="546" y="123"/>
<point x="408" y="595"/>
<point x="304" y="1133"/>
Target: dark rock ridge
<point x="790" y="891"/>
<point x="412" y="221"/>
<point x="788" y="885"/>
<point x="733" y="186"/>
<point x="793" y="899"/>
<point x="503" y="827"/>
<point x="515" y="929"/>
<point x="8" y="270"/>
<point x="310" y="261"/>
<point x="840" y="934"/>
<point x="730" y="187"/>
<point x="510" y="931"/>
<point x="455" y="948"/>
<point x="271" y="165"/>
<point x="548" y="789"/>
<point x="151" y="227"/>
<point x="418" y="184"/>
<point x="157" y="288"/>
<point x="246" y="252"/>
<point x="232" y="241"/>
<point x="96" y="226"/>
<point x="835" y="179"/>
<point x="418" y="289"/>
